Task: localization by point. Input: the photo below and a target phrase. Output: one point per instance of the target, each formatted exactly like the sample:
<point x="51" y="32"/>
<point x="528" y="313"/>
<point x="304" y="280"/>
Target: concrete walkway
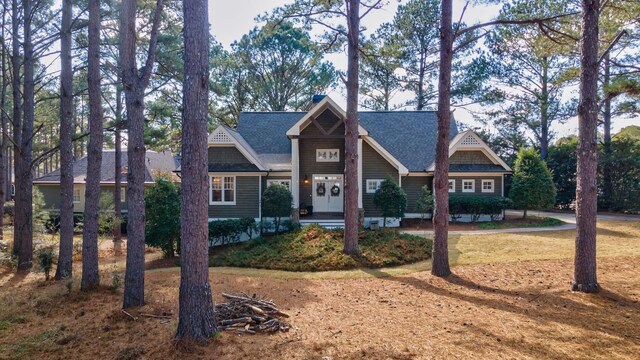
<point x="568" y="217"/>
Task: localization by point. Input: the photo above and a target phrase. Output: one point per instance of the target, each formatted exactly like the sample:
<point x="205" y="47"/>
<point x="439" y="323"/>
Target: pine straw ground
<point x="500" y="310"/>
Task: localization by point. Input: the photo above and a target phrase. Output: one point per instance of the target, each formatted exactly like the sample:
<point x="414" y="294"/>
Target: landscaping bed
<point x="509" y="222"/>
<point x="314" y="248"/>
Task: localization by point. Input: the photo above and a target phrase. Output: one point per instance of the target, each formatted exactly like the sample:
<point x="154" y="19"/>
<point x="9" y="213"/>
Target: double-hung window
<point x="373" y="185"/>
<point x="452" y="186"/>
<point x="223" y="190"/>
<point x="76" y="195"/>
<point x="487" y="186"/>
<point x="468" y="185"/>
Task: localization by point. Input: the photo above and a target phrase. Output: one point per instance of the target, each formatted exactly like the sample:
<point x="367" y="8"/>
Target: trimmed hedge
<point x="477" y="206"/>
<point x="224" y="232"/>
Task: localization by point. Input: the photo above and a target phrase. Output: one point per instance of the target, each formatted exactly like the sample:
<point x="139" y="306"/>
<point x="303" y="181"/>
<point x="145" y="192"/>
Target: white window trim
<point x="280" y="182"/>
<point x="378" y="183"/>
<point x="235" y="192"/>
<point x="123" y="195"/>
<point x="453" y="188"/>
<point x="337" y="151"/>
<point x="79" y="196"/>
<point x="493" y="185"/>
<point x="473" y="186"/>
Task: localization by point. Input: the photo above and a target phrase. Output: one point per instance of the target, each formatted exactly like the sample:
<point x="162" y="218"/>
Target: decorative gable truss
<point x="222" y="136"/>
<point x="468" y="140"/>
<point x="325" y="104"/>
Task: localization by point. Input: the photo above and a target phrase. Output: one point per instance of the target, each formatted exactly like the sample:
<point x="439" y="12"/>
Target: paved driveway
<point x="568" y="217"/>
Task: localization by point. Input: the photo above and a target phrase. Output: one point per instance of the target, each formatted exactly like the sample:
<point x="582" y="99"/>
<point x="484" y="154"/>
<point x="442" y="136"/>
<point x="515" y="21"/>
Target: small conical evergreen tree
<point x="532" y="187"/>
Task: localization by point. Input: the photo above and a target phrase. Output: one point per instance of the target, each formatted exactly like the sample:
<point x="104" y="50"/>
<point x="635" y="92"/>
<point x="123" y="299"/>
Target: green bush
<point x="40" y="215"/>
<point x="162" y="207"/>
<point x="532" y="186"/>
<point x="425" y="202"/>
<point x="106" y="214"/>
<point x="9" y="209"/>
<point x="224" y="232"/>
<point x="476" y="206"/>
<point x="45" y="260"/>
<point x="276" y="203"/>
<point x="391" y="200"/>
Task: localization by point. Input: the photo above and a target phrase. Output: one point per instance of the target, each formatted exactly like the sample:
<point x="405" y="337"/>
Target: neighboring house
<point x="304" y="151"/>
<point x="49" y="184"/>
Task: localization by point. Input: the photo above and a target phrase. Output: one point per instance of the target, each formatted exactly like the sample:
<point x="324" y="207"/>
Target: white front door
<point x="328" y="193"/>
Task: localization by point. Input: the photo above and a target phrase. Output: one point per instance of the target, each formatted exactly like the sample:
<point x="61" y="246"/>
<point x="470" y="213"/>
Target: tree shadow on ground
<point x="604" y="315"/>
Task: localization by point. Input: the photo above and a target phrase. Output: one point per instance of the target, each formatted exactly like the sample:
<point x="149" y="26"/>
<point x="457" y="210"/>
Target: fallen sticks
<point x="245" y="314"/>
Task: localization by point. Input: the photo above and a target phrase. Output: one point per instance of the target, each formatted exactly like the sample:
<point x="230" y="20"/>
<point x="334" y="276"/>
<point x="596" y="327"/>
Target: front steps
<point x="325" y="223"/>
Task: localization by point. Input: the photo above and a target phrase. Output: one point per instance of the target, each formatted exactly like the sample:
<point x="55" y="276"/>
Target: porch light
<point x="306" y="179"/>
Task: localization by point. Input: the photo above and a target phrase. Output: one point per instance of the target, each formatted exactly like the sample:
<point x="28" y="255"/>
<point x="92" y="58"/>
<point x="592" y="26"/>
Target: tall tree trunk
<point x="197" y="321"/>
<point x="586" y="196"/>
<point x="23" y="228"/>
<point x="421" y="75"/>
<point x="5" y="121"/>
<point x="351" y="211"/>
<point x="134" y="87"/>
<point x="544" y="111"/>
<point x="65" y="257"/>
<point x="117" y="194"/>
<point x="117" y="227"/>
<point x="90" y="274"/>
<point x="440" y="258"/>
<point x="17" y="105"/>
<point x="607" y="181"/>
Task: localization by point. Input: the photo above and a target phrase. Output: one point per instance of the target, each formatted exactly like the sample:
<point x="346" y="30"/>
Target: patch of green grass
<point x="314" y="248"/>
<point x="532" y="222"/>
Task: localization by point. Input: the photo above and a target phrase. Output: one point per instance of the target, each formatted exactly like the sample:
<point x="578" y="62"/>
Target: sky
<point x="230" y="19"/>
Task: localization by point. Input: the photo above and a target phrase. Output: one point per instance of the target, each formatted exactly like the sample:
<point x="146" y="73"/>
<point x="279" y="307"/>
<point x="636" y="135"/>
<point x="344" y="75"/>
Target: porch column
<point x="295" y="181"/>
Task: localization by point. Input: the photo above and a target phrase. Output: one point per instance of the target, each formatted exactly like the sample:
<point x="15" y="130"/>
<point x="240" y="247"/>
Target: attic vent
<point x="221" y="138"/>
<point x="469" y="140"/>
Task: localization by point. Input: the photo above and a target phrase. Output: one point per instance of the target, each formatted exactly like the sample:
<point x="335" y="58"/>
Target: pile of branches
<point x="245" y="314"/>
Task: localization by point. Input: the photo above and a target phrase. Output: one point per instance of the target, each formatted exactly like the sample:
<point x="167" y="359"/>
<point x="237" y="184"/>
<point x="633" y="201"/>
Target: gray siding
<point x="497" y="181"/>
<point x="413" y="187"/>
<point x="247" y="201"/>
<point x="51" y="194"/>
<point x="374" y="166"/>
<point x="469" y="158"/>
<point x="307" y="151"/>
<point x="226" y="155"/>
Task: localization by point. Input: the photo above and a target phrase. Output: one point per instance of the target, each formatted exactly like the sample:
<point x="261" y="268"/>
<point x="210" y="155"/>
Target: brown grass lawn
<point x="496" y="306"/>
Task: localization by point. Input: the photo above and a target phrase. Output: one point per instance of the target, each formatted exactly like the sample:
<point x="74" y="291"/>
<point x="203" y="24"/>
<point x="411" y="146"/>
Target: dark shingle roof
<point x="244" y="167"/>
<point x="475" y="168"/>
<point x="410" y="136"/>
<point x="156" y="162"/>
<point x="266" y="132"/>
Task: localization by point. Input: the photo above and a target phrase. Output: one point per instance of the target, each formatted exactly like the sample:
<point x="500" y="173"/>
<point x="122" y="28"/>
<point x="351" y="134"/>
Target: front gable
<point x="326" y="104"/>
<point x="227" y="148"/>
<point x="467" y="148"/>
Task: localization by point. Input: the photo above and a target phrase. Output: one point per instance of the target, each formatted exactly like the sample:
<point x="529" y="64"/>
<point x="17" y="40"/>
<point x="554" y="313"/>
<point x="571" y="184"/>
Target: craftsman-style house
<point x="304" y="151"/>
